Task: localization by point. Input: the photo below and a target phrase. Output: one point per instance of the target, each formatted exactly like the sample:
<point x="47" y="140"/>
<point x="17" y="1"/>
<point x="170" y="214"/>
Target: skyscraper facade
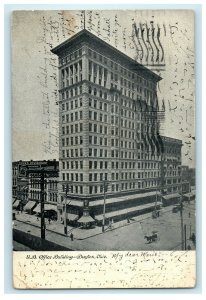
<point x="108" y="127"/>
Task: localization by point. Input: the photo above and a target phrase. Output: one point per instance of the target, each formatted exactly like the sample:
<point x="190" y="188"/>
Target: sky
<point x="35" y="70"/>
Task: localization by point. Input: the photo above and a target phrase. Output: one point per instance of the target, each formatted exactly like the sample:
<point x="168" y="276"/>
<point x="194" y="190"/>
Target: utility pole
<point x="68" y="187"/>
<point x="185" y="236"/>
<point x="42" y="206"/>
<point x="104" y="208"/>
<point x="65" y="210"/>
<point x="181" y="215"/>
<point x="41" y="172"/>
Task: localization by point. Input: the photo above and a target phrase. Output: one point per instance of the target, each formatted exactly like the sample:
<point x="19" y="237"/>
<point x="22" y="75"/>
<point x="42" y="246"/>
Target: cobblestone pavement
<point x="123" y="235"/>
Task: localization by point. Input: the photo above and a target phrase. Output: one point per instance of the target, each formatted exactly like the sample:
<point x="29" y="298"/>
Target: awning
<point x="123" y="198"/>
<point x="171" y="196"/>
<point x="50" y="207"/>
<point x="72" y="217"/>
<point x="46" y="207"/>
<point x="188" y="195"/>
<point x="30" y="205"/>
<point x="127" y="210"/>
<point x="75" y="203"/>
<point x="37" y="209"/>
<point x="16" y="204"/>
<point x="86" y="219"/>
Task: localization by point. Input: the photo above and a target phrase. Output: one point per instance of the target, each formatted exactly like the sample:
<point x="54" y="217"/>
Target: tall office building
<point x="108" y="128"/>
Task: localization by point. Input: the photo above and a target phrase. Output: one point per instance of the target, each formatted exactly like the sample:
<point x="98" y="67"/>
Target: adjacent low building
<point x="26" y="187"/>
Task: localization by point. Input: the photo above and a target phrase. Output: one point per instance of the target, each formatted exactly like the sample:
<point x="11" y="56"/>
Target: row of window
<point x="71" y="117"/>
<point x="104" y="176"/>
<point x="123" y="154"/>
<point x="36" y="195"/>
<point x="98" y="176"/>
<point x="35" y="183"/>
<point x="72" y="165"/>
<point x="96" y="116"/>
<point x="125" y="112"/>
<point x="73" y="104"/>
<point x="72" y="177"/>
<point x="52" y="185"/>
<point x="71" y="75"/>
<point x="124" y="175"/>
<point x="98" y="152"/>
<point x="98" y="128"/>
<point x="94" y="152"/>
<point x="173" y="173"/>
<point x="52" y="197"/>
<point x="98" y="165"/>
<point x="77" y="140"/>
<point x="98" y="104"/>
<point x="98" y="93"/>
<point x="94" y="140"/>
<point x="124" y="165"/>
<point x="98" y="56"/>
<point x="128" y="134"/>
<point x="97" y="74"/>
<point x="72" y="56"/>
<point x="72" y="152"/>
<point x="117" y="67"/>
<point x="148" y="174"/>
<point x="72" y="92"/>
<point x="124" y="122"/>
<point x="73" y="128"/>
<point x="71" y="70"/>
<point x="124" y="144"/>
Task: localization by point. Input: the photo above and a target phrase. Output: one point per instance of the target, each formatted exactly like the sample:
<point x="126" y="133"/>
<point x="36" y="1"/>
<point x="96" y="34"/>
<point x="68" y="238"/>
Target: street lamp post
<point x="104" y="207"/>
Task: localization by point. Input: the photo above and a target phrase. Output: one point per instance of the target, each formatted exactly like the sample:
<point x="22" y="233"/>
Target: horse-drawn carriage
<point x="152" y="238"/>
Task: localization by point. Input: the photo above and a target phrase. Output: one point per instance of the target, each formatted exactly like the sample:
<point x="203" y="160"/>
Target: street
<point x="123" y="235"/>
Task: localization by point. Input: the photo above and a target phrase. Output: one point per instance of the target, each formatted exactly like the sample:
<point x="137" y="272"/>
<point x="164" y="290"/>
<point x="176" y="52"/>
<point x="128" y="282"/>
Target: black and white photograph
<point x="104" y="142"/>
<point x="103" y="130"/>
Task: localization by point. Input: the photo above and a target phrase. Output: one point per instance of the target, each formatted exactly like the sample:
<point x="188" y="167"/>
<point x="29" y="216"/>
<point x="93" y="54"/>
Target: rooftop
<point x="88" y="37"/>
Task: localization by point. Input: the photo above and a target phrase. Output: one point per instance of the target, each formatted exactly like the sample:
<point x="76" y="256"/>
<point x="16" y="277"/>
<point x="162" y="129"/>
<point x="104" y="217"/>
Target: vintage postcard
<point x="103" y="126"/>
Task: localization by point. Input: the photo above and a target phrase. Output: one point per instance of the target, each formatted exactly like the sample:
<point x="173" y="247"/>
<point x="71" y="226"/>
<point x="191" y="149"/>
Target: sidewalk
<point x="123" y="236"/>
<point x="78" y="232"/>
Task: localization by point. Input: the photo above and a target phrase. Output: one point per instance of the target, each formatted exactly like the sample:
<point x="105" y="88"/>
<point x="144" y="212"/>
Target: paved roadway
<point x="130" y="236"/>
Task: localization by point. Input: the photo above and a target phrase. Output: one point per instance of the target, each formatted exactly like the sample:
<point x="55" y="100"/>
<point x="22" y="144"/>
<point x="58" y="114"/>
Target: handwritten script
<point x="123" y="269"/>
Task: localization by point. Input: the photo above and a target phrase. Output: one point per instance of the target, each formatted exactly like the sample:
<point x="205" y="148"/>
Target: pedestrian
<point x="72" y="236"/>
<point x="49" y="221"/>
<point x="189" y="214"/>
<point x="37" y="219"/>
<point x="112" y="222"/>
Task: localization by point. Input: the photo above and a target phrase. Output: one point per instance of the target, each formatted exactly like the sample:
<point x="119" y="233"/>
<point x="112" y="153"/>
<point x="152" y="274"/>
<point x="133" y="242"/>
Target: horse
<point x="151" y="238"/>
